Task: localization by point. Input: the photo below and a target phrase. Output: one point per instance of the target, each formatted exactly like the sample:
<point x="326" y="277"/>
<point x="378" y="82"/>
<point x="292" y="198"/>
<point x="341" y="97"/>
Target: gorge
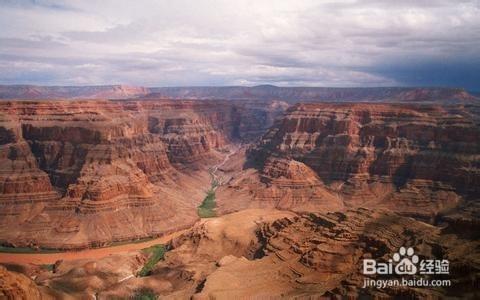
<point x="305" y="191"/>
<point x="210" y="150"/>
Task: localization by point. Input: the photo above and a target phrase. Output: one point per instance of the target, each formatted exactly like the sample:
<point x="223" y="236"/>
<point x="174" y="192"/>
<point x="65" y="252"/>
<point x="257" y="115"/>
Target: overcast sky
<point x="287" y="43"/>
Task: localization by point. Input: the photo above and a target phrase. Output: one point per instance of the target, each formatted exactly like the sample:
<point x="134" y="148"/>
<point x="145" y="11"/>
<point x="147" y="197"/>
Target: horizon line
<point x="246" y="86"/>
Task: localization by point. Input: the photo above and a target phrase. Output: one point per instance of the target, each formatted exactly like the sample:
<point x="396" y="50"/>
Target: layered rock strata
<point x="75" y="172"/>
<point x="418" y="159"/>
<point x="313" y="255"/>
<point x="264" y="253"/>
<point x="284" y="184"/>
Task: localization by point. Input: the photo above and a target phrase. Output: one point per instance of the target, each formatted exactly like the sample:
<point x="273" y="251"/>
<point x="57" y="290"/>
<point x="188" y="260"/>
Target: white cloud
<point x="157" y="43"/>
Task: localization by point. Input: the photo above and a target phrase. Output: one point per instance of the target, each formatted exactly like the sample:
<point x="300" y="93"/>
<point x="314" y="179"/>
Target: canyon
<point x="258" y="253"/>
<point x="304" y="190"/>
<point x="417" y="160"/>
<point x="74" y="172"/>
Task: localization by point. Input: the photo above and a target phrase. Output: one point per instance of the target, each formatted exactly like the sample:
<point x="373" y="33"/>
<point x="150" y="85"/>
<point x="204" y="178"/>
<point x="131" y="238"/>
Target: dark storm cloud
<point x="434" y="73"/>
<point x="157" y="43"/>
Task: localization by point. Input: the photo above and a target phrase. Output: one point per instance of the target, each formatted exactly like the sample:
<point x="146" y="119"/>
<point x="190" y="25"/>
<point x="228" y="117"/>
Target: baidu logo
<point x="405" y="262"/>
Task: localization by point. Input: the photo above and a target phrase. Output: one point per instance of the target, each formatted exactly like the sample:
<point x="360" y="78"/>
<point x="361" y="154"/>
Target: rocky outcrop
<point x="282" y="184"/>
<point x="190" y="131"/>
<point x="265" y="253"/>
<point x="322" y="254"/>
<point x="24" y="187"/>
<point x="73" y="172"/>
<point x="18" y="286"/>
<point x="400" y="156"/>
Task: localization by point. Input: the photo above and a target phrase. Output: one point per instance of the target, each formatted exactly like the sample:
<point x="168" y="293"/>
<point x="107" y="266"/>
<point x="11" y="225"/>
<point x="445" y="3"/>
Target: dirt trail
<point x="50" y="258"/>
<point x="213" y="172"/>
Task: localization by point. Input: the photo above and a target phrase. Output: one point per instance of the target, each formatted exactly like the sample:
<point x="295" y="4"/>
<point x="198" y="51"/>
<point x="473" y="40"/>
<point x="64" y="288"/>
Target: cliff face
<point x="73" y="172"/>
<point x="314" y="254"/>
<point x="417" y="159"/>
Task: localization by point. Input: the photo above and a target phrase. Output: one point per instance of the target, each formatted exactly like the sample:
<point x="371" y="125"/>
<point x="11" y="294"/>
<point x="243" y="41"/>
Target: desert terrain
<point x="262" y="192"/>
<point x="218" y="149"/>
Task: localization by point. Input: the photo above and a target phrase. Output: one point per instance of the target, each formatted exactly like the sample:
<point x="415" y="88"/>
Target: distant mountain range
<point x="71" y="92"/>
<point x="261" y="92"/>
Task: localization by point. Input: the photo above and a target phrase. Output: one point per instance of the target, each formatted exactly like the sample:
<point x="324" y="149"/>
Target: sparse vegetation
<point x="145" y="294"/>
<point x="156" y="254"/>
<point x="206" y="209"/>
<point x="48" y="267"/>
<point x="6" y="249"/>
<point x="26" y="250"/>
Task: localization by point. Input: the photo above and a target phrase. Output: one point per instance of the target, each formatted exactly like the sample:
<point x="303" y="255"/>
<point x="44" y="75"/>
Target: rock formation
<point x="283" y="184"/>
<point x="75" y="172"/>
<point x="414" y="159"/>
<point x="18" y="286"/>
<point x="300" y="207"/>
<point x="321" y="254"/>
<point x="269" y="253"/>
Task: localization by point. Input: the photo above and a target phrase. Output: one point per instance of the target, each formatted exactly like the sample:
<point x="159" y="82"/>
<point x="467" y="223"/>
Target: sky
<point x="287" y="43"/>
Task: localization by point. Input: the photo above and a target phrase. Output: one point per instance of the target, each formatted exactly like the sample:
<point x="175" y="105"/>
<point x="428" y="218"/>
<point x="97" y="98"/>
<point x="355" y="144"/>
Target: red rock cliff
<point x="415" y="158"/>
<point x="73" y="173"/>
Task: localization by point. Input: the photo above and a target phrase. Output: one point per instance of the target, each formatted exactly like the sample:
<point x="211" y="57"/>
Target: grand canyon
<point x="218" y="149"/>
<point x="299" y="192"/>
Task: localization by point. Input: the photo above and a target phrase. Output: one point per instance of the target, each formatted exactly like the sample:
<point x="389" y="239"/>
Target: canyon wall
<point x="74" y="173"/>
<point x="417" y="159"/>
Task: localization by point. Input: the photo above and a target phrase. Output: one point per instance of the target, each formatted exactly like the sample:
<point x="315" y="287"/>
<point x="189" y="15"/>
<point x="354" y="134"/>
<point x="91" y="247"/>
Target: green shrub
<point x="156" y="254"/>
<point x="48" y="267"/>
<point x="206" y="209"/>
<point x="5" y="249"/>
<point x="145" y="294"/>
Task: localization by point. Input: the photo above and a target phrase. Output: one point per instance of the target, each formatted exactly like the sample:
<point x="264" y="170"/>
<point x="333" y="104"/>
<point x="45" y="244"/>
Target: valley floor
<point x="96" y="253"/>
